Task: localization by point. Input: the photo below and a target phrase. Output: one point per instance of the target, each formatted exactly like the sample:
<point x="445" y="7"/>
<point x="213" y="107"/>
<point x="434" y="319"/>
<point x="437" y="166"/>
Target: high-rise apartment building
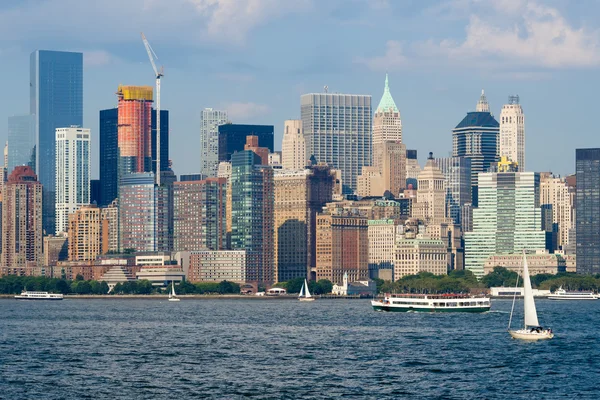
<point x="587" y="218"/>
<point x="137" y="219"/>
<point x="21" y="221"/>
<point x="555" y="191"/>
<point x="72" y="173"/>
<point x="507" y="220"/>
<point x="299" y="196"/>
<point x="512" y="132"/>
<point x="209" y="140"/>
<point x="252" y="215"/>
<point x="56" y="100"/>
<point x="431" y="195"/>
<point x="199" y="215"/>
<point x="232" y="138"/>
<point x="110" y="213"/>
<point x="338" y="131"/>
<point x="88" y="234"/>
<point x="387" y="125"/>
<point x="21" y="142"/>
<point x="457" y="172"/>
<point x="293" y="145"/>
<point x="476" y="137"/>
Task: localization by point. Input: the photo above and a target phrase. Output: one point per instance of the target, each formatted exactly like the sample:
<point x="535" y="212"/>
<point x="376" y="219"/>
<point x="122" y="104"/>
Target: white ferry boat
<point x="25" y="295"/>
<point x="432" y="303"/>
<point x="562" y="294"/>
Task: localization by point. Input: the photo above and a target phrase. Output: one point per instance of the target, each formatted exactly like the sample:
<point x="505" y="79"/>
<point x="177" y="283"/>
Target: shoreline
<point x="182" y="297"/>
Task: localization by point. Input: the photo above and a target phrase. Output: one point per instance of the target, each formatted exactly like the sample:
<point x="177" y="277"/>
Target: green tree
<point x="294" y="285"/>
<point x="325" y="286"/>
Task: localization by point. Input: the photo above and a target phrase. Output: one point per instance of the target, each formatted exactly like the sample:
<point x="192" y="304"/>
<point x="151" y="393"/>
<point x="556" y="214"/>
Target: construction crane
<point x="152" y="56"/>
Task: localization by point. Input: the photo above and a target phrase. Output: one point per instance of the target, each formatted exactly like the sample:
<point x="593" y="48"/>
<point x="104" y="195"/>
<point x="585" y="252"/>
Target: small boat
<point x="432" y="303"/>
<point x="531" y="329"/>
<point x="25" y="295"/>
<point x="304" y="293"/>
<point x="562" y="294"/>
<point x="172" y="295"/>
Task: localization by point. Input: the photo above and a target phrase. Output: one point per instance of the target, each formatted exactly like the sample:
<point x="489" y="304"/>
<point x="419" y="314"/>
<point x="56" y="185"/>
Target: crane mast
<point x="152" y="56"/>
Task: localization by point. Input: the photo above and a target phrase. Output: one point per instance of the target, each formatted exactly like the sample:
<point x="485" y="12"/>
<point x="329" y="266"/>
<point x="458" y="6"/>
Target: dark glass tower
<point x="164" y="140"/>
<point x="109" y="156"/>
<point x="232" y="138"/>
<point x="56" y="100"/>
<point x="587" y="203"/>
<point x="21" y="142"/>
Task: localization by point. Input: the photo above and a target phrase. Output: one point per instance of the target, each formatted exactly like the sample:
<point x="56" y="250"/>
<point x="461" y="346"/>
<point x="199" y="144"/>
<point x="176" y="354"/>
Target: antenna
<point x="326" y="88"/>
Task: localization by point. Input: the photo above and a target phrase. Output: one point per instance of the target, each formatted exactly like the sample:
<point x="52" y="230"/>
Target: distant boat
<point x="531" y="329"/>
<point x="432" y="303"/>
<point x="25" y="295"/>
<point x="304" y="293"/>
<point x="562" y="294"/>
<point x="172" y="295"/>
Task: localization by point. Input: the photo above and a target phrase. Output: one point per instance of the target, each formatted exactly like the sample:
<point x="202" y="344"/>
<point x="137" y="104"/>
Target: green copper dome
<point x="387" y="101"/>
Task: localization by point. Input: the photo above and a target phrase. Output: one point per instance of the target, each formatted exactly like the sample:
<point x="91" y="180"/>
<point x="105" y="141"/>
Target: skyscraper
<point x="556" y="192"/>
<point x="507" y="220"/>
<point x="588" y="210"/>
<point x="293" y="146"/>
<point x="387" y="125"/>
<point x="88" y="234"/>
<point x="72" y="173"/>
<point x="21" y="142"/>
<point x="209" y="140"/>
<point x="164" y="141"/>
<point x="337" y="130"/>
<point x="512" y="132"/>
<point x="476" y="137"/>
<point x="431" y="196"/>
<point x="457" y="172"/>
<point x="56" y="100"/>
<point x="21" y="221"/>
<point x="137" y="218"/>
<point x="252" y="215"/>
<point x="413" y="169"/>
<point x="232" y="138"/>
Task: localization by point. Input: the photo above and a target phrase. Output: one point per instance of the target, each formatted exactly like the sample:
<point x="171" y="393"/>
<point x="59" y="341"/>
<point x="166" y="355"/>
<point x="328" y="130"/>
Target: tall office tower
<point x="252" y="215"/>
<point x="507" y="220"/>
<point x="137" y="219"/>
<point x="232" y="138"/>
<point x="299" y="195"/>
<point x="342" y="246"/>
<point x="588" y="210"/>
<point x="413" y="169"/>
<point x="88" y="234"/>
<point x="55" y="249"/>
<point x="431" y="195"/>
<point x="56" y="101"/>
<point x="512" y="132"/>
<point x="72" y="173"/>
<point x="21" y="142"/>
<point x="134" y="129"/>
<point x="21" y="221"/>
<point x="224" y="171"/>
<point x="3" y="178"/>
<point x="388" y="175"/>
<point x="293" y="146"/>
<point x="382" y="246"/>
<point x="476" y="137"/>
<point x="262" y="152"/>
<point x="109" y="151"/>
<point x="338" y="131"/>
<point x="555" y="191"/>
<point x="95" y="191"/>
<point x="209" y="140"/>
<point x="457" y="173"/>
<point x="199" y="214"/>
<point x="387" y="125"/>
<point x="110" y="213"/>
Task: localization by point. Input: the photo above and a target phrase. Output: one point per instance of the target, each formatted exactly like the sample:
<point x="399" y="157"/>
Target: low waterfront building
<point x="115" y="275"/>
<point x="539" y="263"/>
<point x="360" y="288"/>
<point x="161" y="276"/>
<point x="419" y="253"/>
<point x="217" y="266"/>
<point x="153" y="259"/>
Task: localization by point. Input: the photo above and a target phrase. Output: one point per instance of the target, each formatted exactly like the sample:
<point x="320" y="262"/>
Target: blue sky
<point x="255" y="58"/>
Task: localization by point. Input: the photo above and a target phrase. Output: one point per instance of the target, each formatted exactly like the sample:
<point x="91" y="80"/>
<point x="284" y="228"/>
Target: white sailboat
<point x="304" y="294"/>
<point x="172" y="295"/>
<point x="531" y="329"/>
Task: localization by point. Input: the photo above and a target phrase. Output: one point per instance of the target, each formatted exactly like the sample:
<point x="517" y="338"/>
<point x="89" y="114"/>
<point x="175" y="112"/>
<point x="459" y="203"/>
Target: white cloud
<point x="238" y="111"/>
<point x="393" y="58"/>
<point x="97" y="58"/>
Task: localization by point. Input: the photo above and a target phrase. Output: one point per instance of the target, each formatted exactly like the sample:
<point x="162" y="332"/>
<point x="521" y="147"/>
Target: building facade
<point x="109" y="154"/>
<point x="587" y="229"/>
<point x="382" y="245"/>
<point x="21" y="142"/>
<point x="56" y="100"/>
<point x="457" y="173"/>
<point x="556" y="192"/>
<point x="21" y="221"/>
<point x="431" y="195"/>
<point x="137" y="222"/>
<point x="72" y="173"/>
<point x="338" y="131"/>
<point x="512" y="132"/>
<point x="507" y="220"/>
<point x="293" y="145"/>
<point x="387" y="124"/>
<point x="418" y="253"/>
<point x="232" y="138"/>
<point x="209" y="140"/>
<point x="217" y="266"/>
<point x="88" y="234"/>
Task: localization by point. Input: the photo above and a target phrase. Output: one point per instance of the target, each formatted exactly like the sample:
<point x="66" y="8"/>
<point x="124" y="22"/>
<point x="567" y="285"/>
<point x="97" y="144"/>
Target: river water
<point x="270" y="349"/>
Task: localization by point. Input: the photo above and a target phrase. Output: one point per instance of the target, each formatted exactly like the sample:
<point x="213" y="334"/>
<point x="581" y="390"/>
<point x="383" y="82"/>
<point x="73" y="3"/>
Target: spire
<point x="387" y="101"/>
<point x="482" y="104"/>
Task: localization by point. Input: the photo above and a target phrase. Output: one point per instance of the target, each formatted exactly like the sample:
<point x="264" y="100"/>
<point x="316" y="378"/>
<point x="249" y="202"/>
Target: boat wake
<point x="497" y="312"/>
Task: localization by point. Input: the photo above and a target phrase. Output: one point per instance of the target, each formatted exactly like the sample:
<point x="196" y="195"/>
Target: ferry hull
<point x="39" y="298"/>
<point x="430" y="309"/>
<point x="572" y="298"/>
<point x="525" y="335"/>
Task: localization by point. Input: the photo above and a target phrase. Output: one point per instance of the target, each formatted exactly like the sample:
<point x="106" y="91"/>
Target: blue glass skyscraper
<point x="56" y="101"/>
<point x="21" y="142"/>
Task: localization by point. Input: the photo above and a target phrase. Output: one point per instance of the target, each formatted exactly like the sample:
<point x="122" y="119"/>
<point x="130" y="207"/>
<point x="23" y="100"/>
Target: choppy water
<point x="143" y="349"/>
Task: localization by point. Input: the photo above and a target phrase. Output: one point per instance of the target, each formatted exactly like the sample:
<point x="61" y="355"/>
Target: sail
<point x="173" y="289"/>
<point x="301" y="294"/>
<point x="531" y="318"/>
<point x="307" y="292"/>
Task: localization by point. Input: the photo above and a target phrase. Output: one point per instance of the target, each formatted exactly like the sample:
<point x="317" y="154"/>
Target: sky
<point x="254" y="58"/>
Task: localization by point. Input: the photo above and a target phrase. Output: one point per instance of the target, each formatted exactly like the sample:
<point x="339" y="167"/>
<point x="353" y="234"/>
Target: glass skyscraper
<point x="21" y="142"/>
<point x="457" y="171"/>
<point x="337" y="130"/>
<point x="56" y="101"/>
<point x="587" y="216"/>
<point x="109" y="156"/>
<point x="232" y="138"/>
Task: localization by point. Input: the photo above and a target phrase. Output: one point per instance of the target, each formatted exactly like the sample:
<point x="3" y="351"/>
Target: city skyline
<point x="255" y="88"/>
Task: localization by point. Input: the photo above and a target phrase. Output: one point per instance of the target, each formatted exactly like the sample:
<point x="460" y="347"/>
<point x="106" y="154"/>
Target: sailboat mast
<point x="515" y="294"/>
